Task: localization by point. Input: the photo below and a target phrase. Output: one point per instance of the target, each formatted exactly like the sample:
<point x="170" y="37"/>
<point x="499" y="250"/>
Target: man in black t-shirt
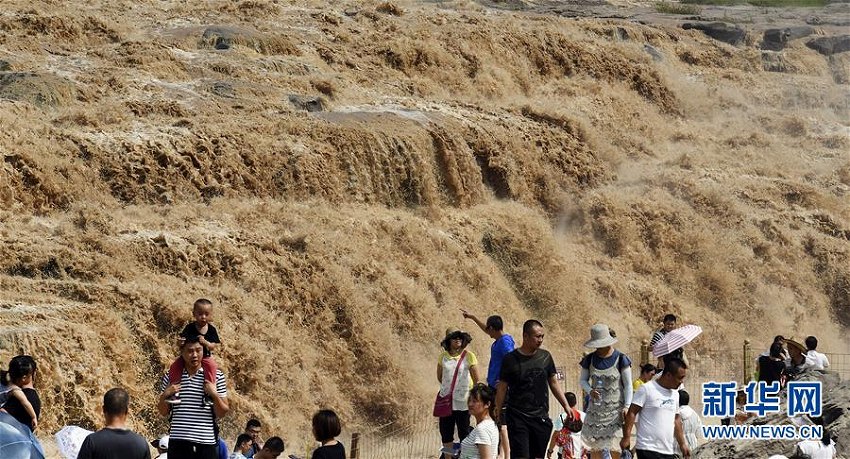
<point x="526" y="377"/>
<point x="115" y="441"/>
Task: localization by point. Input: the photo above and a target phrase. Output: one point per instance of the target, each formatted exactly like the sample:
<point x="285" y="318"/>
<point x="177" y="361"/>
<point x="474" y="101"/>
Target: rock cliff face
<point x="340" y="177"/>
<point x="836" y="418"/>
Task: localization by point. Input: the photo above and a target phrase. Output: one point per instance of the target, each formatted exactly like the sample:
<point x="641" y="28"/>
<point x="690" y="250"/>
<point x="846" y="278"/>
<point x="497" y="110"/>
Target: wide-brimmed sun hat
<point x="600" y="336"/>
<point x="791" y="343"/>
<point x="453" y="332"/>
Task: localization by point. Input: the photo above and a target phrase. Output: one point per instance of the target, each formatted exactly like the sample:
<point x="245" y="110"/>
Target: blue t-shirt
<point x="607" y="362"/>
<point x="498" y="350"/>
<point x="222" y="449"/>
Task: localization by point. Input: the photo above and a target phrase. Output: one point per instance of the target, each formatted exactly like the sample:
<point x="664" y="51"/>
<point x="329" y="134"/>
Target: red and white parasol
<point x="674" y="339"/>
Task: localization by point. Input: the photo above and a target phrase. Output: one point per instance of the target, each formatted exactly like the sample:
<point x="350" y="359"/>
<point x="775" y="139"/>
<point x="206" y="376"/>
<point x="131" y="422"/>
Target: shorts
<point x="645" y="454"/>
<point x="448" y="423"/>
<point x="528" y="436"/>
<point x="191" y="450"/>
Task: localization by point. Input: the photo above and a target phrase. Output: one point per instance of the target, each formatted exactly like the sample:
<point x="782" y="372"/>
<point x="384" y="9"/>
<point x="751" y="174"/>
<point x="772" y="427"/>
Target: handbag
<point x="443" y="403"/>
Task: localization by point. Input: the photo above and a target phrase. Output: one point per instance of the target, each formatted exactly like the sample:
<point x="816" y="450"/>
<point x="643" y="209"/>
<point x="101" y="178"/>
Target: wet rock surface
<point x="830" y="45"/>
<point x="308" y="103"/>
<point x="720" y="31"/>
<point x="777" y="39"/>
<point x="40" y="89"/>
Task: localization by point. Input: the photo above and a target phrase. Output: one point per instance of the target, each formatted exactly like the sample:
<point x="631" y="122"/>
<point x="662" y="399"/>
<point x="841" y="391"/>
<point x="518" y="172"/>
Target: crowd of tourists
<point x="511" y="406"/>
<point x="192" y="396"/>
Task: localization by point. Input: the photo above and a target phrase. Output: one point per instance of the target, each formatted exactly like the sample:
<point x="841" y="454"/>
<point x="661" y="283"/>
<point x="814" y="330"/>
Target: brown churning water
<point x="341" y="178"/>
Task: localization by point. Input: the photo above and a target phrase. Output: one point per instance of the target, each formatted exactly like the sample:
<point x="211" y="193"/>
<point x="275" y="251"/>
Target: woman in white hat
<point x="606" y="375"/>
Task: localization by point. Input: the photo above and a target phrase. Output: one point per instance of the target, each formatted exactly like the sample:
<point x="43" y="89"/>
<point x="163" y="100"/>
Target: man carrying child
<point x="207" y="335"/>
<point x="193" y="433"/>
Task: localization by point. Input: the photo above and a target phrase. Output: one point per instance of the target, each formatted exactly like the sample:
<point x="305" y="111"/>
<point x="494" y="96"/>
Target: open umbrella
<point x="674" y="339"/>
<point x="70" y="440"/>
<point x="17" y="441"/>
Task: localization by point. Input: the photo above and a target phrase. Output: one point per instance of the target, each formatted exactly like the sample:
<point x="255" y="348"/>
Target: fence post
<point x="748" y="361"/>
<point x="355" y="446"/>
<point x="644" y="352"/>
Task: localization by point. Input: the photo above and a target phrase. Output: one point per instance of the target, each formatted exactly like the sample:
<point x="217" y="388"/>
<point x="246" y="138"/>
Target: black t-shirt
<point x="770" y="370"/>
<point x="336" y="451"/>
<point x="17" y="411"/>
<point x="211" y="335"/>
<point x="115" y="444"/>
<point x="527" y="377"/>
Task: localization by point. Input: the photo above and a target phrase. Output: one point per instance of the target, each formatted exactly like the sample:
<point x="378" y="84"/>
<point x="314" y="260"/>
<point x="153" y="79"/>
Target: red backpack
<point x="563" y="437"/>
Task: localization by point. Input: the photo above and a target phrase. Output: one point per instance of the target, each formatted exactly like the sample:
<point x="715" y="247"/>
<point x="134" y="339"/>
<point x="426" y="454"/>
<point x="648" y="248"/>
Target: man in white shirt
<point x="817" y="449"/>
<point x="660" y="426"/>
<point x="820" y="360"/>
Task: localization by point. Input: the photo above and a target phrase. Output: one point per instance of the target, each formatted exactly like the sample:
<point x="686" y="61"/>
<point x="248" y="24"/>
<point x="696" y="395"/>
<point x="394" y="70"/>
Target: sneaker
<point x="174" y="399"/>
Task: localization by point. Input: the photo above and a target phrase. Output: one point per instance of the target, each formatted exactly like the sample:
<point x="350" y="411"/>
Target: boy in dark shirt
<point x="115" y="441"/>
<point x="207" y="336"/>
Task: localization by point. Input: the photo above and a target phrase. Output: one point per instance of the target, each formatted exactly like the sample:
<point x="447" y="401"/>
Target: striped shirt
<point x="656" y="337"/>
<point x="190" y="419"/>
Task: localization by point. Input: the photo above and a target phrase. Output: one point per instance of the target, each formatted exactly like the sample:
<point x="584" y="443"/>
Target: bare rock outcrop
<point x="777" y="39"/>
<point x="720" y="31"/>
<point x="830" y="45"/>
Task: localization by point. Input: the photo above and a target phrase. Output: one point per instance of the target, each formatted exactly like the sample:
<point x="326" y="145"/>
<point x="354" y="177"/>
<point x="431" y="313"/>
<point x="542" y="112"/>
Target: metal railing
<point x="839" y="363"/>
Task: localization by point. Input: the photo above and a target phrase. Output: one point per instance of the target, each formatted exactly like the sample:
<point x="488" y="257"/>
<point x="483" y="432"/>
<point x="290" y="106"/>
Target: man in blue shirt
<point x="503" y="344"/>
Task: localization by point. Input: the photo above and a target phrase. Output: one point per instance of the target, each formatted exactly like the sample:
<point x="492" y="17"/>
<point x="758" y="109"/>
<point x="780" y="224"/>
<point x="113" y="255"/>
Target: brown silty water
<point x="341" y="177"/>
